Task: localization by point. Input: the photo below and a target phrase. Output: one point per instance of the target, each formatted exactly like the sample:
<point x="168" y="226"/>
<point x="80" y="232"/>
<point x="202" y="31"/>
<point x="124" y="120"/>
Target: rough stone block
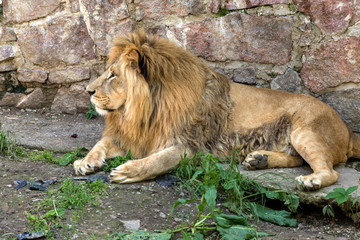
<point x="332" y="64"/>
<point x="70" y="75"/>
<point x="215" y="6"/>
<point x="7" y="66"/>
<point x="347" y="104"/>
<point x="331" y="16"/>
<point x="107" y="19"/>
<point x="158" y="9"/>
<point x="290" y="81"/>
<point x="36" y="99"/>
<point x="7" y="34"/>
<point x="18" y="11"/>
<point x="60" y="41"/>
<point x="245" y="75"/>
<point x="71" y="100"/>
<point x="11" y="99"/>
<point x="239" y="37"/>
<point x="6" y="52"/>
<point x="29" y="75"/>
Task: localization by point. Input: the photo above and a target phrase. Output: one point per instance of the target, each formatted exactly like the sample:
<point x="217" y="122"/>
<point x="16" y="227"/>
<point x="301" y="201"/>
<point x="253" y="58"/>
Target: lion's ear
<point x="133" y="58"/>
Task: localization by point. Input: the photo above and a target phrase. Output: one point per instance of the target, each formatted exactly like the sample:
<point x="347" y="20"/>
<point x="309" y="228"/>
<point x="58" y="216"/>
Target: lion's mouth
<point x="103" y="111"/>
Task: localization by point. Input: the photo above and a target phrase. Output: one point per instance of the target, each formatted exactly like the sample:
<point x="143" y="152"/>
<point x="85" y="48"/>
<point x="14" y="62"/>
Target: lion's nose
<point x="91" y="92"/>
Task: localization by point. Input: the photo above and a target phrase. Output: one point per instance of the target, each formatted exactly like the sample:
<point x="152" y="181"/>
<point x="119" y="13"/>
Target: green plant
<point x="328" y="210"/>
<point x="206" y="176"/>
<point x="223" y="12"/>
<point x="341" y="195"/>
<point x="69" y="196"/>
<point x="70" y="157"/>
<point x="44" y="156"/>
<point x="8" y="145"/>
<point x="117" y="161"/>
<point x="91" y="113"/>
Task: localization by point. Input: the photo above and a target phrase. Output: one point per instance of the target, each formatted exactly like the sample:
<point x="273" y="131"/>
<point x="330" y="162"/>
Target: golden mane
<point x="169" y="92"/>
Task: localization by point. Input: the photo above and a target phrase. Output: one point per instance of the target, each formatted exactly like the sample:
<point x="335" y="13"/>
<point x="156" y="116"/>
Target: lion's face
<point x="108" y="92"/>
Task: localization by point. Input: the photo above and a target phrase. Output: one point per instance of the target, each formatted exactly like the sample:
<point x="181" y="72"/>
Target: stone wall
<point x="50" y="49"/>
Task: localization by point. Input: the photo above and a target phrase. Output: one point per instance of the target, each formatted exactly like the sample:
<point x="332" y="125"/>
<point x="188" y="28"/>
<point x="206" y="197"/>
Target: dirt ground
<point x="147" y="203"/>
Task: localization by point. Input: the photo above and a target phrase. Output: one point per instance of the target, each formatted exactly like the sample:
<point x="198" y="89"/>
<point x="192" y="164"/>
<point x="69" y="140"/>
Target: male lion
<point x="159" y="99"/>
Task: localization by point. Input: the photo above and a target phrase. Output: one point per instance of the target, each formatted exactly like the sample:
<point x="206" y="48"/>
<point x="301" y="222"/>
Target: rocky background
<point x="50" y="49"/>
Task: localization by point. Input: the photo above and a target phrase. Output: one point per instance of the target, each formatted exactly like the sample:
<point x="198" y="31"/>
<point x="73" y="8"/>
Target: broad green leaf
<point x="50" y="213"/>
<point x="61" y="211"/>
<point x="238" y="232"/>
<point x="340" y="190"/>
<point x="333" y="195"/>
<point x="292" y="202"/>
<point x="226" y="221"/>
<point x="282" y="218"/>
<point x="351" y="189"/>
<point x="342" y="199"/>
<point x="210" y="196"/>
<point x="190" y="236"/>
<point x="66" y="159"/>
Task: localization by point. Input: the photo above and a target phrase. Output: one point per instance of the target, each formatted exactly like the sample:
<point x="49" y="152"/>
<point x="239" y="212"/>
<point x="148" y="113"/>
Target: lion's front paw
<point x="255" y="161"/>
<point x="128" y="172"/>
<point x="87" y="165"/>
<point x="308" y="182"/>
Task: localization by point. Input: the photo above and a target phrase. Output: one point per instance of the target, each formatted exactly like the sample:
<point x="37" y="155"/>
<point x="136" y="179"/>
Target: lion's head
<point x="154" y="91"/>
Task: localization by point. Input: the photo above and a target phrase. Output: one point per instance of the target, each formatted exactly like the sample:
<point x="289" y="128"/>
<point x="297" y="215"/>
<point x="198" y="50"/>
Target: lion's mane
<point x="172" y="97"/>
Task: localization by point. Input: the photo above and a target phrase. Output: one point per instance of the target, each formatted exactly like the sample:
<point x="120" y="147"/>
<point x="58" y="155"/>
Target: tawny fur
<point x="160" y="100"/>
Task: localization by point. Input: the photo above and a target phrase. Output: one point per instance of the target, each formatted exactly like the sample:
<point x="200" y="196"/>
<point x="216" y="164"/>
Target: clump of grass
<point x="69" y="196"/>
<point x="117" y="161"/>
<point x="8" y="145"/>
<point x="66" y="159"/>
<point x="43" y="156"/>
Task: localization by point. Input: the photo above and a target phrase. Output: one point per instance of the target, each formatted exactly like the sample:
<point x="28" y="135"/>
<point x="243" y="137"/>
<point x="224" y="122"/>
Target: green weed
<point x="68" y="196"/>
<point x="341" y="196"/>
<point x="117" y="161"/>
<point x="91" y="113"/>
<point x="207" y="177"/>
<point x="8" y="145"/>
<point x="44" y="156"/>
<point x="70" y="157"/>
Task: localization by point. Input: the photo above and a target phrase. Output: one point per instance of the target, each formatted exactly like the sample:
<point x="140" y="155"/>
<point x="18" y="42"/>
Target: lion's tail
<point x="355" y="146"/>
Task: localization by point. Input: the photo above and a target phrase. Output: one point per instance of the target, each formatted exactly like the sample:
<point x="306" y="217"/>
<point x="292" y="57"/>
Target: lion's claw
<point x="82" y="167"/>
<point x="127" y="173"/>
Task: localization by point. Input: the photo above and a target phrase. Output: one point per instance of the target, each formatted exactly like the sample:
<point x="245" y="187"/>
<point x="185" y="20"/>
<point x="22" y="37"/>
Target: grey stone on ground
<point x="131" y="224"/>
<point x="284" y="178"/>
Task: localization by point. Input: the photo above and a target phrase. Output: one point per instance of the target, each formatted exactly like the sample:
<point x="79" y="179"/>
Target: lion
<point x="159" y="100"/>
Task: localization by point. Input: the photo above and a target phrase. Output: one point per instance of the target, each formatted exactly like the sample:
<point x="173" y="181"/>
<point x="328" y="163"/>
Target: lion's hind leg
<point x="266" y="159"/>
<point x="321" y="158"/>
